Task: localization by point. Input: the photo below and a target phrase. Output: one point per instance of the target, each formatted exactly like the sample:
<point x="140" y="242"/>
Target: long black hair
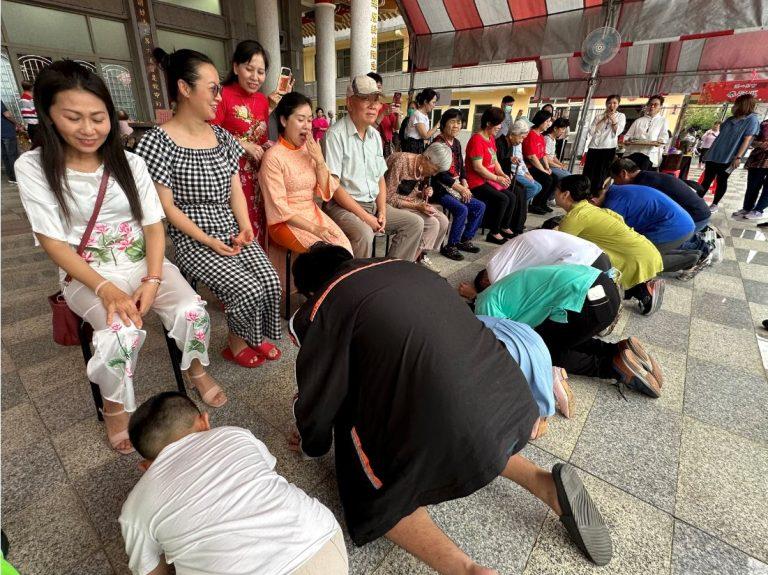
<point x="244" y="51"/>
<point x="426" y="95"/>
<point x="68" y="75"/>
<point x="180" y="65"/>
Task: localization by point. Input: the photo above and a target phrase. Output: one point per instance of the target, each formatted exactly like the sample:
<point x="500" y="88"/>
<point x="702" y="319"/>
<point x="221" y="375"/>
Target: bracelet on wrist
<point x="152" y="279"/>
<point x="101" y="285"/>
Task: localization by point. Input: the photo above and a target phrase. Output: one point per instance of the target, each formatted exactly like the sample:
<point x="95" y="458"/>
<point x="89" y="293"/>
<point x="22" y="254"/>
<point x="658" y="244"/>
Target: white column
<point x="268" y="32"/>
<point x="362" y="39"/>
<point x="325" y="54"/>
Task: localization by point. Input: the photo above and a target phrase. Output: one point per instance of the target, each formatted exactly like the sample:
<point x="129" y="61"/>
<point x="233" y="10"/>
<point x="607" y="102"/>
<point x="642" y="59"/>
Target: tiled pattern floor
<point x="682" y="481"/>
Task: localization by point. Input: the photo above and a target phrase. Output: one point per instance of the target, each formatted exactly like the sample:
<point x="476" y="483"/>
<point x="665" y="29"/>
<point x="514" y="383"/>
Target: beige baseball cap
<point x="362" y="85"/>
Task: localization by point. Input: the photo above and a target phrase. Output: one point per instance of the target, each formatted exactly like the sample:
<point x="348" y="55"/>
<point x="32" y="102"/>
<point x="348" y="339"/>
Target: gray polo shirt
<point x="357" y="162"/>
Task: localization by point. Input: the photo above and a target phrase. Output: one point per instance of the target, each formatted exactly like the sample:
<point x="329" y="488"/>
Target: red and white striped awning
<point x="658" y="36"/>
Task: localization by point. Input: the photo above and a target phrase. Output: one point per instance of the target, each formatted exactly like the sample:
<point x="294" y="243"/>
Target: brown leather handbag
<point x="65" y="323"/>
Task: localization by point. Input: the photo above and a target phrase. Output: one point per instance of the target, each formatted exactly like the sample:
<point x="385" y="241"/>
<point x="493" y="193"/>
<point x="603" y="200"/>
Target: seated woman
<point x="656" y="216"/>
<point x="505" y="204"/>
<point x="195" y="169"/>
<point x="632" y="254"/>
<point x="557" y="131"/>
<point x="292" y="174"/>
<point x="407" y="181"/>
<point x="569" y="305"/>
<point x="535" y="153"/>
<point x="450" y="190"/>
<point x="121" y="272"/>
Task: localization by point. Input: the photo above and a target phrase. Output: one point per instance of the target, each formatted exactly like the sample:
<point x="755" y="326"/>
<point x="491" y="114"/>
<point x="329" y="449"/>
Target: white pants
<point x="116" y="346"/>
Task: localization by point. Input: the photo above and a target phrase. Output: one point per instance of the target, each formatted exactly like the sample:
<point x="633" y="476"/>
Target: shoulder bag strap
<point x="94" y="215"/>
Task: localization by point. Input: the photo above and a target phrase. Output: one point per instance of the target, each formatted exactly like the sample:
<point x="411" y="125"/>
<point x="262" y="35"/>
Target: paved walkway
<point x="682" y="480"/>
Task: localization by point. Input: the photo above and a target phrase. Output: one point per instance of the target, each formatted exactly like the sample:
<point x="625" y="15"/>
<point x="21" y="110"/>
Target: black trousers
<point x="597" y="165"/>
<point x="712" y="171"/>
<point x="504" y="209"/>
<point x="675" y="258"/>
<point x="548" y="183"/>
<point x="603" y="262"/>
<point x="573" y="345"/>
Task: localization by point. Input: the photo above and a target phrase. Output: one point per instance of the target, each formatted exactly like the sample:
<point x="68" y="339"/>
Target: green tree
<point x="701" y="118"/>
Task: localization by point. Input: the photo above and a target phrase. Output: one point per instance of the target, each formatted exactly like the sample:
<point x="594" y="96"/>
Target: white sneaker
<point x="426" y="262"/>
<point x="713" y="208"/>
<point x="754" y="215"/>
<point x="739" y="213"/>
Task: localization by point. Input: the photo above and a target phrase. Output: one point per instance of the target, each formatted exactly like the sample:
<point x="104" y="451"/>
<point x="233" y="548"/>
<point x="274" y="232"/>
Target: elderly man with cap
<point x="354" y="155"/>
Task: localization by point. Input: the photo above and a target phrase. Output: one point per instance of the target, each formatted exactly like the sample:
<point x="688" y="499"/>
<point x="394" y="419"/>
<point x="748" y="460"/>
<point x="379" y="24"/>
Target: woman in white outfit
<point x="122" y="272"/>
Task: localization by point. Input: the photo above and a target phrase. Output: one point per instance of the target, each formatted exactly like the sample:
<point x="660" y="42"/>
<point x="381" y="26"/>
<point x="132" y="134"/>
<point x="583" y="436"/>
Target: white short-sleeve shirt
<point x="213" y="504"/>
<point x="417" y="117"/>
<point x="540" y="248"/>
<point x="46" y="218"/>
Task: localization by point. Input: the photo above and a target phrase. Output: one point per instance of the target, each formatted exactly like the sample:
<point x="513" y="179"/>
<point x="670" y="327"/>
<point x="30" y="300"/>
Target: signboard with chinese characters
<point x="143" y="15"/>
<point x="374" y="34"/>
<point x="716" y="92"/>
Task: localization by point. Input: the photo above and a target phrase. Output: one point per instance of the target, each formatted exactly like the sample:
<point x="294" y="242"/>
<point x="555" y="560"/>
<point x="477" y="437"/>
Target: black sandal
<point x="581" y="517"/>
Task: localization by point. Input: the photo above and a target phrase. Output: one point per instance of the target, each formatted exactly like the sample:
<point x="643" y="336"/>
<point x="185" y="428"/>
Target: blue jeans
<point x="697" y="242"/>
<point x="560" y="173"/>
<point x="10" y="153"/>
<point x="466" y="218"/>
<point x="531" y="187"/>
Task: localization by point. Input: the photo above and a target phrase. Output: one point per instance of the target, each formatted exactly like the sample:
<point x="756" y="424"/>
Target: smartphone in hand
<point x="284" y="81"/>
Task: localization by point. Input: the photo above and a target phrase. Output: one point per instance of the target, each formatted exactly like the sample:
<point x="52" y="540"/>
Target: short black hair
<point x="578" y="185"/>
<point x="376" y="77"/>
<point x="640" y="160"/>
<point x="317" y="266"/>
<point x="558" y="123"/>
<point x="551" y="223"/>
<point x="481" y="281"/>
<point x="288" y="105"/>
<point x="658" y="97"/>
<point x="160" y="421"/>
<point x="507" y="99"/>
<point x="26" y="85"/>
<point x="613" y="97"/>
<point x="623" y="164"/>
<point x="448" y="115"/>
<point x="493" y="116"/>
<point x="541" y="117"/>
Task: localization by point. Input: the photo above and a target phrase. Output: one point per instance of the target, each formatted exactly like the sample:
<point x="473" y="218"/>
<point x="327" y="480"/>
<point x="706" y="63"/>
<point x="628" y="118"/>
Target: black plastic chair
<point x="85" y="332"/>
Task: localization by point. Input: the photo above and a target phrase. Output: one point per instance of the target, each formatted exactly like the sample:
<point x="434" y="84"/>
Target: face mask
<point x="508" y="109"/>
<point x="410" y="111"/>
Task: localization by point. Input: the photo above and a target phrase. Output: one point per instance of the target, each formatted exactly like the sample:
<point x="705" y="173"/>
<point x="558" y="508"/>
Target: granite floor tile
<point x="362" y="560"/>
<point x="562" y="434"/>
<point x="6" y="363"/>
<point x="719" y="284"/>
<point x="30" y="474"/>
<point x="95" y="564"/>
<point x="641" y="535"/>
<point x="66" y="405"/>
<point x="42" y="349"/>
<point x="697" y="553"/>
<point x="83" y="446"/>
<point x="748" y="244"/>
<point x="12" y="390"/>
<point x="272" y="398"/>
<point x="749" y="233"/>
<point x="115" y="550"/>
<point x="27" y="329"/>
<point x="723" y="479"/>
<point x="751" y="257"/>
<point x="45" y="376"/>
<point x="727" y="267"/>
<point x="759" y="314"/>
<point x="632" y="444"/>
<point x="677" y="298"/>
<point x="756" y="291"/>
<point x="26" y="304"/>
<point x="21" y="427"/>
<point x="727" y="397"/>
<point x="51" y="535"/>
<point x="725" y="345"/>
<point x="720" y="309"/>
<point x="673" y="368"/>
<point x="103" y="490"/>
<point x="663" y="328"/>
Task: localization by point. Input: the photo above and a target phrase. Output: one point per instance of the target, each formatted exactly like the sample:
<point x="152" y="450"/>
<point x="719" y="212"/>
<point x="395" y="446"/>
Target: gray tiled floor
<point x="681" y="480"/>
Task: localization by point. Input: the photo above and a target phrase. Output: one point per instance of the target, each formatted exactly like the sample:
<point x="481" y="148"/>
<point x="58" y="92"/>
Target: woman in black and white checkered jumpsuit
<point x="208" y="219"/>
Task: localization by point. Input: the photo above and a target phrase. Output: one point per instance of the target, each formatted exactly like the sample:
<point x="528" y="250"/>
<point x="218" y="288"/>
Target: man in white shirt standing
<point x="604" y="135"/>
<point x="647" y="135"/>
<point x="211" y="502"/>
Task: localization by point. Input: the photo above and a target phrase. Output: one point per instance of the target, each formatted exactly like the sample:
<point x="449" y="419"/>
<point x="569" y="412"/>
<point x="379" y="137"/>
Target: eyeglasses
<point x="215" y="89"/>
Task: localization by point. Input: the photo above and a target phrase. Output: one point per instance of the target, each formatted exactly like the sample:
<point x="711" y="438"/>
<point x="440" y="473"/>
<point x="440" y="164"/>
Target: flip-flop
<point x="245" y="358"/>
<point x="581" y="518"/>
<point x="268" y="351"/>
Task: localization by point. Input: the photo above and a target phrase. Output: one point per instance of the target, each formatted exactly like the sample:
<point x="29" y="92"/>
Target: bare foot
<point x="480" y="570"/>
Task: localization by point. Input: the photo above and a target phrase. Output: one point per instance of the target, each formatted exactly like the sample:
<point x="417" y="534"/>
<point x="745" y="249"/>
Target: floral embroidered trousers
<point x="116" y="346"/>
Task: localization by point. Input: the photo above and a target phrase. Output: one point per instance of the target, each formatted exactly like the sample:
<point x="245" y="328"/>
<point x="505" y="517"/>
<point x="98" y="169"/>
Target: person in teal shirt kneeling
<point x="568" y="305"/>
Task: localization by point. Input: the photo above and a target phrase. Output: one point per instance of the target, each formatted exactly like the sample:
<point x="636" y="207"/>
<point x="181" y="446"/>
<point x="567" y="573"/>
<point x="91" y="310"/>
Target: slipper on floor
<point x="248" y="357"/>
<point x="268" y="351"/>
<point x="581" y="517"/>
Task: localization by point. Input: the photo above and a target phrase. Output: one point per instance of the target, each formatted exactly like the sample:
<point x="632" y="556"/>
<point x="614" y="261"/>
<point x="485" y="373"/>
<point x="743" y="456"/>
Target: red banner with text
<point x="717" y="92"/>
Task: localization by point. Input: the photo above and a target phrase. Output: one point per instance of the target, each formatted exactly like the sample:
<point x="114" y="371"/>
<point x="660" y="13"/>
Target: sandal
<point x="248" y="357"/>
<point x="268" y="351"/>
<point x="563" y="392"/>
<point x="581" y="518"/>
<point x="539" y="428"/>
<point x="117" y="438"/>
<point x="207" y="397"/>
